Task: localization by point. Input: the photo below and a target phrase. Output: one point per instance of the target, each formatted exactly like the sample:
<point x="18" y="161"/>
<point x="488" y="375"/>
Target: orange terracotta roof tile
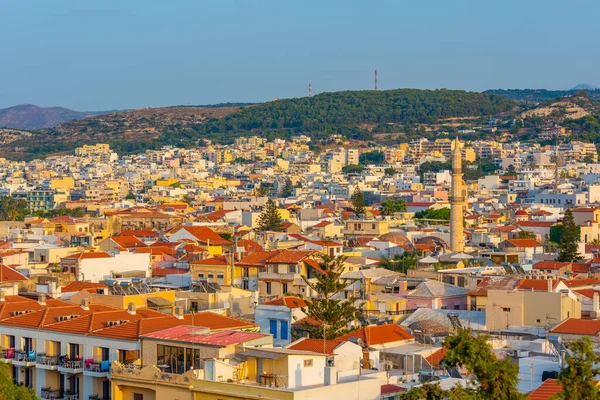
<point x="290" y="256"/>
<point x="549" y="388"/>
<point x="79" y="286"/>
<point x="288" y="301"/>
<point x="316" y="345"/>
<point x="574" y="283"/>
<point x="434" y="359"/>
<point x="553" y="265"/>
<point x="575" y="326"/>
<point x="8" y="274"/>
<point x="379" y="334"/>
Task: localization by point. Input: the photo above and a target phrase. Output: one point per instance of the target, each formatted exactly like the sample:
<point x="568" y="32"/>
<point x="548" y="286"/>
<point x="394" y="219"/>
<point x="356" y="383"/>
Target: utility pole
<point x="309" y="90"/>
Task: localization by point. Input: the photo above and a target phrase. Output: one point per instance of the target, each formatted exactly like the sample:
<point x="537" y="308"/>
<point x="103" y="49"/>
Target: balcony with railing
<point x="66" y="365"/>
<point x="8" y="355"/>
<point x="275" y="276"/>
<point x="51" y="393"/>
<point x="98" y="397"/>
<point x="153" y="373"/>
<point x="46" y="361"/>
<point x="25" y="358"/>
<point x="97" y="369"/>
<point x="68" y="395"/>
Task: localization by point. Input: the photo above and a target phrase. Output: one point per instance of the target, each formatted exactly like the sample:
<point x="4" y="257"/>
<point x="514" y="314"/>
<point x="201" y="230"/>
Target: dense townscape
<point x="275" y="268"/>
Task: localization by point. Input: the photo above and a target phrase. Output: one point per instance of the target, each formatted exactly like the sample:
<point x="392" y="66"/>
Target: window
<point x="506" y="309"/>
<point x="308" y="363"/>
<point x="138" y="396"/>
<point x="373" y="226"/>
<point x="268" y="287"/>
<point x="285" y="288"/>
<point x="220" y="276"/>
<point x="284" y="330"/>
<point x="457" y="306"/>
<point x="200" y="275"/>
<point x="273" y="328"/>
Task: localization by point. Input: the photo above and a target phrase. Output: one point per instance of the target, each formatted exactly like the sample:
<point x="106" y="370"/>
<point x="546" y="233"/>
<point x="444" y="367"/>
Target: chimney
<point x="85" y="303"/>
<point x="2" y="296"/>
<point x="549" y="285"/>
<point x="131" y="308"/>
<point x="595" y="305"/>
<point x="42" y="299"/>
<point x="179" y="312"/>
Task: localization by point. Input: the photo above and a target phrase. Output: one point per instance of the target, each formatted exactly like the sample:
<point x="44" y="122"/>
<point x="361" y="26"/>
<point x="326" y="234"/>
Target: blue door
<point x="273" y="328"/>
<point x="284" y="330"/>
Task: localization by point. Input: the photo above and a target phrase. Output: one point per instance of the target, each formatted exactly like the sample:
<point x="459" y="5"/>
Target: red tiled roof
<point x="203" y="235"/>
<point x="316" y="345"/>
<point x="532" y="224"/>
<point x="574" y="283"/>
<point x="537" y="284"/>
<point x="79" y="286"/>
<point x="577" y="326"/>
<point x="549" y="388"/>
<point x="322" y="224"/>
<point x="435" y="358"/>
<point x="257" y="259"/>
<point x="524" y="242"/>
<point x="308" y="321"/>
<point x="250" y="245"/>
<point x="379" y="334"/>
<point x="553" y="265"/>
<point x="314" y="264"/>
<point x="290" y="256"/>
<point x="89" y="254"/>
<point x="127" y="242"/>
<point x="288" y="301"/>
<point x="8" y="274"/>
<point x="589" y="293"/>
<point x="157" y="272"/>
<point x="188" y="334"/>
<point x="389" y="389"/>
<point x="222" y="260"/>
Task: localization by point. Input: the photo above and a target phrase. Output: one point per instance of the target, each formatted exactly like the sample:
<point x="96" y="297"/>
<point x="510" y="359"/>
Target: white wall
<point x="97" y="269"/>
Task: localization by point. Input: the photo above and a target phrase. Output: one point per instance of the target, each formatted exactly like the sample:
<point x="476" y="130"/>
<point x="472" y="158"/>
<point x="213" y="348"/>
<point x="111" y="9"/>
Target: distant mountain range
<point x="29" y="116"/>
<point x="585" y="86"/>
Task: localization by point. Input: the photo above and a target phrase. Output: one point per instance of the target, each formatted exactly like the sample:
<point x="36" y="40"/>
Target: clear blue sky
<point x="114" y="54"/>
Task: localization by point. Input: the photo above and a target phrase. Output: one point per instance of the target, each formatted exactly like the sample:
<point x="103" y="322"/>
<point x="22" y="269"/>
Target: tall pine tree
<point x="288" y="189"/>
<point x="358" y="202"/>
<point x="270" y="219"/>
<point x="577" y="379"/>
<point x="330" y="317"/>
<point x="569" y="239"/>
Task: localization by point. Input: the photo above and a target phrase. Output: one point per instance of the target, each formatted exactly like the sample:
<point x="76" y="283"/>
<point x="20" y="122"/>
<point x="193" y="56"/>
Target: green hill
<point x="539" y="95"/>
<point x="354" y="113"/>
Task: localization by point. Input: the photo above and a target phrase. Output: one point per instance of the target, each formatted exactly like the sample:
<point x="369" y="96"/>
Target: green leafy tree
<point x="400" y="262"/>
<point x="288" y="188"/>
<point x="392" y="206"/>
<point x="569" y="239"/>
<point x="358" y="202"/>
<point x="353" y="169"/>
<point x="577" y="379"/>
<point x="496" y="379"/>
<point x="13" y="209"/>
<point x="442" y="214"/>
<point x="332" y="315"/>
<point x="9" y="390"/>
<point x="390" y="171"/>
<point x="526" y="235"/>
<point x="270" y="219"/>
<point x="261" y="191"/>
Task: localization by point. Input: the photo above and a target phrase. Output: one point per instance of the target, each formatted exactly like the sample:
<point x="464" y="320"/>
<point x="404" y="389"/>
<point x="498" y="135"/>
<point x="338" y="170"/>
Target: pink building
<point x="437" y="295"/>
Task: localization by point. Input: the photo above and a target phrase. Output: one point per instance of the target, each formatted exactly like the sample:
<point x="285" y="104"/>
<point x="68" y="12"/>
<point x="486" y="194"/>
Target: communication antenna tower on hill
<point x="376" y="88"/>
<point x="309" y="90"/>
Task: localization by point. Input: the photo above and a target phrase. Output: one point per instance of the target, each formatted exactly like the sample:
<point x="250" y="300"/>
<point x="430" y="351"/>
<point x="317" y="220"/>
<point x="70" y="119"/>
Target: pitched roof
<point x="257" y="259"/>
<point x="537" y="284"/>
<point x="79" y="286"/>
<point x="524" y="242"/>
<point x="576" y="326"/>
<point x="191" y="334"/>
<point x="89" y="254"/>
<point x="436" y="357"/>
<point x="290" y="256"/>
<point x="553" y="265"/>
<point x="127" y="242"/>
<point x="8" y="274"/>
<point x="203" y="234"/>
<point x="378" y="334"/>
<point x="574" y="283"/>
<point x="316" y="345"/>
<point x="549" y="388"/>
<point x="436" y="289"/>
<point x="538" y="224"/>
<point x="288" y="301"/>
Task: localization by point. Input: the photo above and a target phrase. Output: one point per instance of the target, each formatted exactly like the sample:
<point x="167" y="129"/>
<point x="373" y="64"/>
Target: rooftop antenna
<point x="309" y="90"/>
<point x="376" y="88"/>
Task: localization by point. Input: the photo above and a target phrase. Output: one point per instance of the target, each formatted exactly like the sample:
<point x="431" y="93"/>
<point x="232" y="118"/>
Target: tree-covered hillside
<point x="539" y="95"/>
<point x="349" y="112"/>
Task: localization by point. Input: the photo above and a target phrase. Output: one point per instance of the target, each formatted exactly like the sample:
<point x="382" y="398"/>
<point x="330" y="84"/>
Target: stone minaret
<point x="458" y="194"/>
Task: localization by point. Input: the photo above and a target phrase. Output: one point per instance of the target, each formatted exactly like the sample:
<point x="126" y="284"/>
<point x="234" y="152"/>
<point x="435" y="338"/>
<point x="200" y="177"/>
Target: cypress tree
<point x="269" y="219"/>
<point x="288" y="189"/>
<point x="569" y="239"/>
<point x="358" y="202"/>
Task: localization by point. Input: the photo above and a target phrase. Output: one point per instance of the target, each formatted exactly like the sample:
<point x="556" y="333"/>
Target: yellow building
<point x="216" y="269"/>
<point x="166" y="182"/>
<point x="62" y="183"/>
<point x="365" y="228"/>
<point x="528" y="308"/>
